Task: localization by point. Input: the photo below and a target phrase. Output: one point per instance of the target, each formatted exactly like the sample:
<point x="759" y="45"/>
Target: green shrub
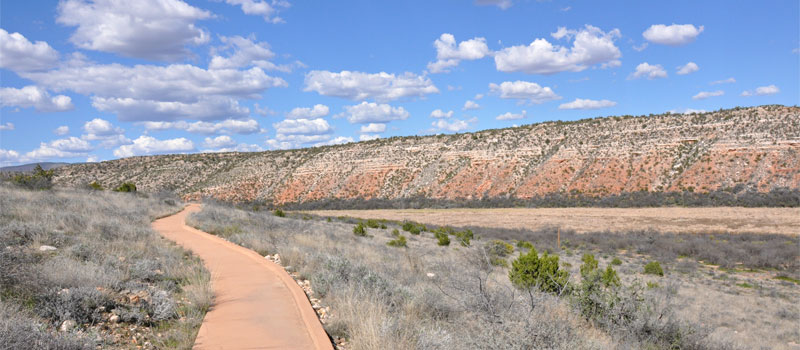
<point x="279" y="213"/>
<point x="414" y="230"/>
<point x="610" y="277"/>
<point x="589" y="265"/>
<point x="39" y="179"/>
<point x="360" y="230"/>
<point x="126" y="187"/>
<point x="383" y="226"/>
<point x="372" y="223"/>
<point x="464" y="237"/>
<point x="530" y="271"/>
<point x="616" y="262"/>
<point x="653" y="268"/>
<point x="442" y="238"/>
<point x="95" y="186"/>
<point x="399" y="242"/>
<point x="407" y="226"/>
<point x="395" y="233"/>
<point x="524" y="245"/>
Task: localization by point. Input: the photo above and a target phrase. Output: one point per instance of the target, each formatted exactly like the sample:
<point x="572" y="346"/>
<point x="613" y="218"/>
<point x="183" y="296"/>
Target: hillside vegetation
<point x="736" y="151"/>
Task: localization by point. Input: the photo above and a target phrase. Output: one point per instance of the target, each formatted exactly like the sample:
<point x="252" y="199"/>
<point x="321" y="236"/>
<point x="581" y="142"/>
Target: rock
<point x="46" y="248"/>
<point x="113" y="319"/>
<point x="431" y="275"/>
<point x="67" y="326"/>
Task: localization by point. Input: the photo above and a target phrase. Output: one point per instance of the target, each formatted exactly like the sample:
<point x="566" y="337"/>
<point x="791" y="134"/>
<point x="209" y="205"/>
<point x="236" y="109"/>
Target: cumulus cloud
<point x="359" y="86"/>
<point x="229" y="126"/>
<point x="61" y="130"/>
<point x="7" y="126"/>
<point x="335" y="141"/>
<point x="523" y="90"/>
<point x="303" y="127"/>
<point x="371" y="112"/>
<point x="590" y="46"/>
<point x="318" y="111"/>
<point x="219" y="142"/>
<point x="580" y="103"/>
<point x="702" y="95"/>
<point x="449" y="55"/>
<point x="9" y="156"/>
<point x="470" y="105"/>
<point x="244" y="52"/>
<point x="690" y="67"/>
<point x="646" y="70"/>
<point x="503" y="4"/>
<point x="149" y="29"/>
<point x="18" y="54"/>
<point x="687" y="111"/>
<point x="147" y="145"/>
<point x="673" y="35"/>
<point x="512" y="116"/>
<point x="261" y="8"/>
<point x="368" y="137"/>
<point x="762" y="90"/>
<point x="438" y="113"/>
<point x="36" y="97"/>
<point x="453" y="125"/>
<point x="730" y="80"/>
<point x="373" y="128"/>
<point x="102" y="130"/>
<point x="61" y="148"/>
<point x="147" y="92"/>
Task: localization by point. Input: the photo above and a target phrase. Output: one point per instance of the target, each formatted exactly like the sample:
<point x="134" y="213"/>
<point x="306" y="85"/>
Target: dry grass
<point x="106" y="252"/>
<point x="431" y="297"/>
<point x="582" y="220"/>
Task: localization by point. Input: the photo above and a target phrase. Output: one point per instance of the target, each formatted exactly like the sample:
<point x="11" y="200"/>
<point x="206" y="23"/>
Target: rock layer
<point x="757" y="147"/>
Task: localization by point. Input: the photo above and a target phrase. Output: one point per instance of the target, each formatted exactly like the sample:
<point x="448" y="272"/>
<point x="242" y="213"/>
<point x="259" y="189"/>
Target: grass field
<point x="671" y="219"/>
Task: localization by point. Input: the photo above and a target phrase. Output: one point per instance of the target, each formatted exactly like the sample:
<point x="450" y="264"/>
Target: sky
<point x="94" y="80"/>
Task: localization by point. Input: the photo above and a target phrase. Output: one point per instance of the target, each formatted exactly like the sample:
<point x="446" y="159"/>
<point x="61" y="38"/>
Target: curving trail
<point x="257" y="306"/>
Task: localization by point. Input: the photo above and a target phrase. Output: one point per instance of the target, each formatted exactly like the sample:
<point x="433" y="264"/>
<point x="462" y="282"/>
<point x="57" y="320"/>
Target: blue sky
<point x="84" y="80"/>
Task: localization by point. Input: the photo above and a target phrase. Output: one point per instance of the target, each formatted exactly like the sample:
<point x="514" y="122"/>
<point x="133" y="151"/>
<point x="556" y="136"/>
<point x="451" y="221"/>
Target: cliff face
<point x="757" y="147"/>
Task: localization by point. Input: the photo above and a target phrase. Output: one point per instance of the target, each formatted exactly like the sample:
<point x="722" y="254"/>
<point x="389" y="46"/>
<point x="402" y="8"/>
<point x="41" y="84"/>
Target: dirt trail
<point x="257" y="306"/>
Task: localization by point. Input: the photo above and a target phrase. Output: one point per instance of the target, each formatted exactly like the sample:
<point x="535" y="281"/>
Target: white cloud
<point x="762" y="90"/>
<point x="648" y="71"/>
<point x="673" y="35"/>
<point x="590" y="46"/>
<point x="641" y="47"/>
<point x="61" y="148"/>
<point x="229" y="126"/>
<point x="359" y="86"/>
<point x="18" y="54"/>
<point x="147" y="145"/>
<point x="318" y="111"/>
<point x="502" y="4"/>
<point x="247" y="53"/>
<point x="9" y="156"/>
<point x="261" y="8"/>
<point x="687" y="111"/>
<point x="702" y="95"/>
<point x="453" y="125"/>
<point x="730" y="80"/>
<point x="373" y="128"/>
<point x="102" y="130"/>
<point x="371" y="112"/>
<point x="242" y="147"/>
<point x="36" y="97"/>
<point x="478" y="96"/>
<point x="580" y="103"/>
<point x="512" y="116"/>
<point x="219" y="142"/>
<point x="368" y="137"/>
<point x="150" y="29"/>
<point x="147" y="92"/>
<point x="523" y="90"/>
<point x="438" y="113"/>
<point x="92" y="158"/>
<point x="7" y="126"/>
<point x="61" y="130"/>
<point x="303" y="127"/>
<point x="690" y="67"/>
<point x="470" y="105"/>
<point x="335" y="141"/>
<point x="449" y="55"/>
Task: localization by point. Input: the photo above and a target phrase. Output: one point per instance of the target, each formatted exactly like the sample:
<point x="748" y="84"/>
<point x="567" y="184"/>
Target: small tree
<point x="653" y="268"/>
<point x="530" y="271"/>
<point x="39" y="179"/>
<point x="126" y="187"/>
<point x="442" y="238"/>
<point x="360" y="230"/>
<point x="279" y="213"/>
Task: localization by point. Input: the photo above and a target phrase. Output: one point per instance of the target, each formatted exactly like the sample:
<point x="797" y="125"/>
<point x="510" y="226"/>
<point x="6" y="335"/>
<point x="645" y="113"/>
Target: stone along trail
<point x="257" y="304"/>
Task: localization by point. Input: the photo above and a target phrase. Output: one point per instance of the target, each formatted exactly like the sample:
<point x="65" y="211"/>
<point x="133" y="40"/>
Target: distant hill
<point x="29" y="167"/>
<point x="755" y="149"/>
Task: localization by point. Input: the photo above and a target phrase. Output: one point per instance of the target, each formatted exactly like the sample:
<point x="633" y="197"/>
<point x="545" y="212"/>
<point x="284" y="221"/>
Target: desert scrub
<point x="653" y="268"/>
<point x="279" y="213"/>
<point x="442" y="238"/>
<point x="616" y="261"/>
<point x="360" y="230"/>
<point x="77" y="256"/>
<point x="530" y="271"/>
<point x="400" y="242"/>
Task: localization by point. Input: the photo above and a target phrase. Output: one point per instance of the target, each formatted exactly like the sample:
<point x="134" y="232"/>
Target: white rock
<point x="431" y="274"/>
<point x="45" y="248"/>
<point x="67" y="325"/>
<point x="113" y="319"/>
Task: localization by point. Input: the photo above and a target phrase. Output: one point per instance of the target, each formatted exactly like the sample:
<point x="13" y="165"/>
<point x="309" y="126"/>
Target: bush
<point x="414" y="230"/>
<point x="524" y="245"/>
<point x="360" y="230"/>
<point x="616" y="262"/>
<point x="372" y="223"/>
<point x="400" y="241"/>
<point x="279" y="213"/>
<point x="610" y="277"/>
<point x="442" y="238"/>
<point x="126" y="187"/>
<point x="407" y="226"/>
<point x="653" y="268"/>
<point x="589" y="265"/>
<point x="95" y="186"/>
<point x="39" y="179"/>
<point x="531" y="271"/>
<point x="464" y="237"/>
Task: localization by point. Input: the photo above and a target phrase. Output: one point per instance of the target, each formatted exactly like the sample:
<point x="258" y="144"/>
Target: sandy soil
<point x="257" y="304"/>
<point x="689" y="220"/>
